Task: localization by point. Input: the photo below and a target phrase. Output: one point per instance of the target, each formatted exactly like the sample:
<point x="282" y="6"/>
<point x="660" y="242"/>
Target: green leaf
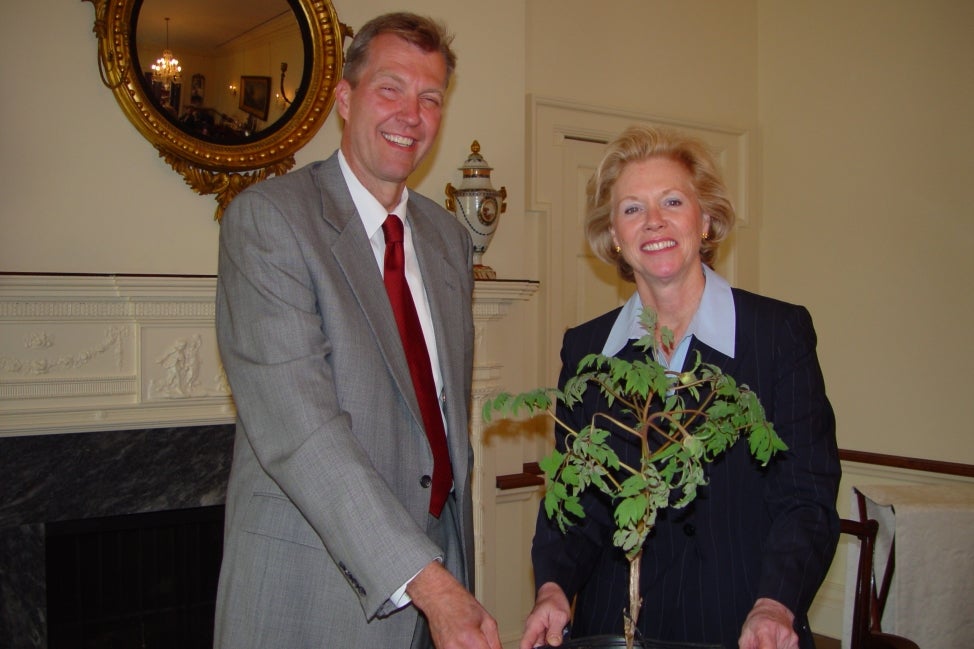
<point x="573" y="506"/>
<point x="694" y="446"/>
<point x="551" y="463"/>
<point x="557" y="490"/>
<point x="631" y="509"/>
<point x="764" y="442"/>
<point x="632" y="486"/>
<point x="551" y="504"/>
<point x="569" y="476"/>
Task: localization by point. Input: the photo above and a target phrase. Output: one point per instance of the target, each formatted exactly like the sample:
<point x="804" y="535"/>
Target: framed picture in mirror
<point x="255" y="96"/>
<point x="198" y="89"/>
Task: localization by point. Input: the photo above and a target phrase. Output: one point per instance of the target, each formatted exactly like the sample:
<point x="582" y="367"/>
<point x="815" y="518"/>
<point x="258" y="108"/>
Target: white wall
<point x="867" y="127"/>
<point x="696" y="60"/>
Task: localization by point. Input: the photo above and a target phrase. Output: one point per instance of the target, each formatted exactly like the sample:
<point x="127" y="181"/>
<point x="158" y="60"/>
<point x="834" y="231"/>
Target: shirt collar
<point x="370" y="210"/>
<point x="714" y="324"/>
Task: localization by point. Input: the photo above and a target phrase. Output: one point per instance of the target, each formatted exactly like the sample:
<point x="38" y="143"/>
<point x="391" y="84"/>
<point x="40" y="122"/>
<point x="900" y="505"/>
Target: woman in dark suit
<point x="740" y="566"/>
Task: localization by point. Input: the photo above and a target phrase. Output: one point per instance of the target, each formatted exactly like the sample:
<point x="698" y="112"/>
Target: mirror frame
<point x="211" y="168"/>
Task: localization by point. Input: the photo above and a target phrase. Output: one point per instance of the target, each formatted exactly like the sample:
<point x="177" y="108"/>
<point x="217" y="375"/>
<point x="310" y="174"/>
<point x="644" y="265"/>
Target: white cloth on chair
<point x="932" y="585"/>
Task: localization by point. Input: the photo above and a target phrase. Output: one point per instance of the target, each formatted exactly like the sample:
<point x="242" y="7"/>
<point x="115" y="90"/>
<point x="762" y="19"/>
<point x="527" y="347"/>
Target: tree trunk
<point x="635" y="602"/>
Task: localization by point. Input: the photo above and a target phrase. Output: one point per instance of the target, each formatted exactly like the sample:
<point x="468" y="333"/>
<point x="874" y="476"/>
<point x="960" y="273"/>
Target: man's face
<point x="392" y="115"/>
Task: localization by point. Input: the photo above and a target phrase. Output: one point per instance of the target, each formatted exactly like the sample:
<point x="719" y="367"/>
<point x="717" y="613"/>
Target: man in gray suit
<point x="332" y="538"/>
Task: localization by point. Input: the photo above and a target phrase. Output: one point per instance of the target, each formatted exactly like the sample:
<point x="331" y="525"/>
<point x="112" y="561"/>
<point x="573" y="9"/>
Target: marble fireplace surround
<point x="71" y="476"/>
<point x="113" y="401"/>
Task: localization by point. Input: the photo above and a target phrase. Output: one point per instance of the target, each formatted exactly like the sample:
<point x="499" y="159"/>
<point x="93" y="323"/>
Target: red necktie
<point x="417" y="355"/>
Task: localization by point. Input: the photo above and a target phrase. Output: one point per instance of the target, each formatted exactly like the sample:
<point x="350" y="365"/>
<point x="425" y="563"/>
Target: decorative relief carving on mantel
<point x="141" y="351"/>
<point x="38" y="340"/>
<point x="111" y="344"/>
<point x="109" y="352"/>
<point x="182" y="363"/>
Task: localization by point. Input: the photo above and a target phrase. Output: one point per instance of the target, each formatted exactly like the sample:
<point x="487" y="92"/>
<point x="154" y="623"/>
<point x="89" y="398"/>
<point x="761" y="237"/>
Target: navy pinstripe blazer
<point x="752" y="532"/>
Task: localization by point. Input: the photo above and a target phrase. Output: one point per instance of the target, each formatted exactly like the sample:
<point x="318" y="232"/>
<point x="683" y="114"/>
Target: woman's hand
<point x="548" y="619"/>
<point x="769" y="625"/>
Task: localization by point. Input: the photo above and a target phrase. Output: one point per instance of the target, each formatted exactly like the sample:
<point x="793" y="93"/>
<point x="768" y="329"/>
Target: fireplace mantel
<point x="107" y="352"/>
<point x="82" y="353"/>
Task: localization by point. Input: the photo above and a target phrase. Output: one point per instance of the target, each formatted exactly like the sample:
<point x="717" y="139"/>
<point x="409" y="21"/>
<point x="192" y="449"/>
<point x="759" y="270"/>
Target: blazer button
<point x="689" y="529"/>
<point x="425" y="482"/>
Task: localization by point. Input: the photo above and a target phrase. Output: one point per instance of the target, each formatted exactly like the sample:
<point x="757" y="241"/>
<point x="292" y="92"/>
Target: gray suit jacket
<point x="327" y="511"/>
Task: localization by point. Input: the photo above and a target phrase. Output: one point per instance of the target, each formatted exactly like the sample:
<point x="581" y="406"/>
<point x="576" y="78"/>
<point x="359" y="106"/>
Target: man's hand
<point x="769" y="625"/>
<point x="456" y="618"/>
<point x="547" y="619"/>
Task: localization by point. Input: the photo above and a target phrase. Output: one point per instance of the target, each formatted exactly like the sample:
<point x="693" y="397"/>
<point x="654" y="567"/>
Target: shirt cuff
<point x="399" y="598"/>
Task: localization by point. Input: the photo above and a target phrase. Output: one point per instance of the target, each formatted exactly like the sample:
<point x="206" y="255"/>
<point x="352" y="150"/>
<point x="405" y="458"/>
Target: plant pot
<point x="613" y="641"/>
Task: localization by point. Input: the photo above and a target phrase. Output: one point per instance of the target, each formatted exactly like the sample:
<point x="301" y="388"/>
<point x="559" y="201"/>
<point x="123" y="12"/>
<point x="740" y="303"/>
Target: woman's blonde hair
<point x="639" y="143"/>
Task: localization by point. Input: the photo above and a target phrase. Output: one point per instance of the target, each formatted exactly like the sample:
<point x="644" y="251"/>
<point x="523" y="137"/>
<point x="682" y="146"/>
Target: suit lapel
<point x="710" y="355"/>
<point x="446" y="302"/>
<point x="441" y="291"/>
<point x="353" y="252"/>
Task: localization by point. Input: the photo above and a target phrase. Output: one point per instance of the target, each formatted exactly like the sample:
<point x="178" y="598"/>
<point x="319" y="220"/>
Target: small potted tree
<point x="681" y="421"/>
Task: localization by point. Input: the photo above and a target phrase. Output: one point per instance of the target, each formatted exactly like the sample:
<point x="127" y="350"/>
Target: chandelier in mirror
<point x="166" y="69"/>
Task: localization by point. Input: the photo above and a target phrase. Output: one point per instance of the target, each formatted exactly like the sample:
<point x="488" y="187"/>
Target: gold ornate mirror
<point x="226" y="90"/>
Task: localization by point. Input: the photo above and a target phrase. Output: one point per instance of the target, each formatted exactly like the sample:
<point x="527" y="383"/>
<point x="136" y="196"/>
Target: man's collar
<point x="369" y="208"/>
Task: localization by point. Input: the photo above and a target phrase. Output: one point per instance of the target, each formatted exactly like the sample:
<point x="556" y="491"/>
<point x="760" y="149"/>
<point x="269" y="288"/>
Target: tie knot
<point x="392" y="229"/>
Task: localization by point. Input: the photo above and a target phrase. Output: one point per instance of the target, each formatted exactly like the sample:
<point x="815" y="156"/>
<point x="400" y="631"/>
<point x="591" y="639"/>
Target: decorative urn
<point x="477" y="205"/>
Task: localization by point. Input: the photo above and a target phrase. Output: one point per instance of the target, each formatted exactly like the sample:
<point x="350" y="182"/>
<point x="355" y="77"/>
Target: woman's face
<point x="657" y="222"/>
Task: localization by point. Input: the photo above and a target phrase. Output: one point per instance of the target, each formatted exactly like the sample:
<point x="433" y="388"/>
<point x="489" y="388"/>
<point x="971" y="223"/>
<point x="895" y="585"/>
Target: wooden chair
<point x="866" y="614"/>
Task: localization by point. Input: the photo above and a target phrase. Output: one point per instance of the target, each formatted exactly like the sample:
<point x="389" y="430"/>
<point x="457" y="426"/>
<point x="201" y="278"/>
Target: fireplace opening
<point x="143" y="581"/>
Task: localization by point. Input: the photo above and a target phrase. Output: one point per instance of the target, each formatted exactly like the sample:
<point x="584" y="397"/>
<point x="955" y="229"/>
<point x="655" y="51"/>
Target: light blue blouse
<point x="714" y="323"/>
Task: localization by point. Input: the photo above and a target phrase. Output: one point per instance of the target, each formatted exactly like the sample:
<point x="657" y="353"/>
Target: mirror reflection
<point x="223" y="71"/>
